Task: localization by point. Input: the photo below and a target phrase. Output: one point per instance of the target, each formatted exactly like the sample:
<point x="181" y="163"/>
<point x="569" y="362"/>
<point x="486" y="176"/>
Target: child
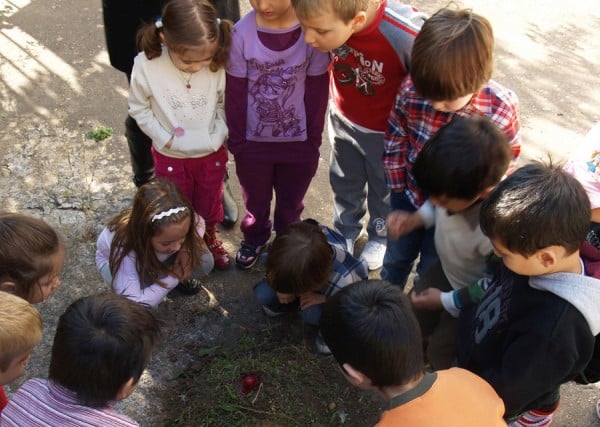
<point x="451" y="66"/>
<point x="20" y="332"/>
<point x="468" y="157"/>
<point x="121" y="22"/>
<point x="31" y="257"/>
<point x="276" y="97"/>
<point x="176" y="97"/>
<point x="371" y="42"/>
<point x="307" y="264"/>
<point x="375" y="339"/>
<point x="534" y="328"/>
<point x="146" y="250"/>
<point x="101" y="348"/>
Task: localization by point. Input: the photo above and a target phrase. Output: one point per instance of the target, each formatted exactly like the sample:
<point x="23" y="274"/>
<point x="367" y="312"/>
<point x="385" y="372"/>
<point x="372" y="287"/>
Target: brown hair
<point x="185" y="24"/>
<point x="101" y="342"/>
<point x="134" y="228"/>
<point x="346" y="10"/>
<point x="20" y="328"/>
<point x="300" y="259"/>
<point x="27" y="246"/>
<point x="452" y="55"/>
<point x="537" y="206"/>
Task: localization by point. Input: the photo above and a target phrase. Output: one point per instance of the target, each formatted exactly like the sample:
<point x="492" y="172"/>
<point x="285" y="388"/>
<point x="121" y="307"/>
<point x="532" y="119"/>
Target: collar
<point x="419" y="390"/>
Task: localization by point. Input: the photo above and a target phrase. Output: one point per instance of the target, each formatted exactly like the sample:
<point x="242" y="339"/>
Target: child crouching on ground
<point x="375" y="338"/>
<point x="101" y="348"/>
<point x="20" y="332"/>
<point x="534" y="328"/>
<point x="307" y="263"/>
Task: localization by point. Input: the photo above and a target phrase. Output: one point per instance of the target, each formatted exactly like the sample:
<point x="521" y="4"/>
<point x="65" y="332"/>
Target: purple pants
<point x="199" y="179"/>
<point x="287" y="168"/>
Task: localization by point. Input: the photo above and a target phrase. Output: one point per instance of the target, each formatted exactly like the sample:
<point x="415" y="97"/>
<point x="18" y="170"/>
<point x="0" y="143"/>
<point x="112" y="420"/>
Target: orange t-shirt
<point x="452" y="398"/>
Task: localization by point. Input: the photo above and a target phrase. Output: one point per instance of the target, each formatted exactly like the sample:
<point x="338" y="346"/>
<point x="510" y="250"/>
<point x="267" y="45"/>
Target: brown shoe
<point x="215" y="246"/>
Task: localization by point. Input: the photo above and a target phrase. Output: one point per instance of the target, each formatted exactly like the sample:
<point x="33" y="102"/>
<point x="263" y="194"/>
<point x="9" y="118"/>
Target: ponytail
<point x="148" y="39"/>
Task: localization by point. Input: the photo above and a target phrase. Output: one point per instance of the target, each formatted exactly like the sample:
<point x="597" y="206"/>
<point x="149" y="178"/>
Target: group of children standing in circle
<point x="201" y="87"/>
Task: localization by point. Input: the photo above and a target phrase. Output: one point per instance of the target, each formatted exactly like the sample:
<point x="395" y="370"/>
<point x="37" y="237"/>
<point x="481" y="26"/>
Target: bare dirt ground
<point x="56" y="84"/>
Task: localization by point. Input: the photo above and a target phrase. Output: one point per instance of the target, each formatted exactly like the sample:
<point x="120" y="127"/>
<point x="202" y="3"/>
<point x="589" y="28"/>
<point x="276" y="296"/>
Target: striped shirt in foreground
<point x="44" y="403"/>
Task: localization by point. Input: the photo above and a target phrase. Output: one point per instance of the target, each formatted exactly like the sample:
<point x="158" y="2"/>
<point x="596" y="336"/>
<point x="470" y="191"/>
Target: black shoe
<point x="189" y="287"/>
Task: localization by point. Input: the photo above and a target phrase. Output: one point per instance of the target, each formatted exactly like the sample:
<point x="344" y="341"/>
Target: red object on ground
<point x="249" y="383"/>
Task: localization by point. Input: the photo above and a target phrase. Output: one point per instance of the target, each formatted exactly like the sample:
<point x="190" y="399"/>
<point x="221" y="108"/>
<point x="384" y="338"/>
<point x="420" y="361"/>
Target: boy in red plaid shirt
<point x="451" y="67"/>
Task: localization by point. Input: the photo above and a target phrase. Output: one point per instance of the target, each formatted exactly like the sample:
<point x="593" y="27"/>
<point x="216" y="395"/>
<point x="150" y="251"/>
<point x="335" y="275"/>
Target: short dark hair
<point x="371" y="326"/>
<point x="101" y="342"/>
<point x="300" y="259"/>
<point x="538" y="206"/>
<point x="452" y="55"/>
<point x="463" y="158"/>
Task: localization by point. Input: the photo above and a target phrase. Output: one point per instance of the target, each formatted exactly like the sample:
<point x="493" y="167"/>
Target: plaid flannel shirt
<point x="346" y="269"/>
<point x="413" y="120"/>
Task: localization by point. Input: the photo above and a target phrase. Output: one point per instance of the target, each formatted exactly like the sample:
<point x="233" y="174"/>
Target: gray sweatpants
<point x="357" y="179"/>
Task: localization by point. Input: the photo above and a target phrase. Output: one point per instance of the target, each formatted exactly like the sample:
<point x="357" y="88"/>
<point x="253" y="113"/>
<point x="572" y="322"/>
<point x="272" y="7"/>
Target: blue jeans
<point x="267" y="297"/>
<point x="401" y="254"/>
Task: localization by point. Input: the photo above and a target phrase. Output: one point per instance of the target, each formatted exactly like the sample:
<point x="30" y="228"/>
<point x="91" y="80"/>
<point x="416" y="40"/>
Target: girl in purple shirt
<point x="275" y="102"/>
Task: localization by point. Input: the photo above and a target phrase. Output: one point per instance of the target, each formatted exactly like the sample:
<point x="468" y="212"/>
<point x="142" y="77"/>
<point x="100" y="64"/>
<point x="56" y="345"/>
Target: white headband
<point x="168" y="213"/>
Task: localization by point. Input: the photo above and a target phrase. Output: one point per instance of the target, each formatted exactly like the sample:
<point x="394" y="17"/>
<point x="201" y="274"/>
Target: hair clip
<point x="158" y="23"/>
<point x="168" y="213"/>
<point x="218" y="21"/>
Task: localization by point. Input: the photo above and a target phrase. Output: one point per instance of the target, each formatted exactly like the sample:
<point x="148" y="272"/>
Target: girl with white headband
<point x="147" y="250"/>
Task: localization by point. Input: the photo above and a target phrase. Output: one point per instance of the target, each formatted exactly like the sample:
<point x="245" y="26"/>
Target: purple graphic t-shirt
<point x="276" y="81"/>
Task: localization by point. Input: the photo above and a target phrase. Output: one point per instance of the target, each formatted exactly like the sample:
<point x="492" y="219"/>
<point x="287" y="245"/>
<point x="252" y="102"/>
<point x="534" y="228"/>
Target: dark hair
<point x="134" y="228"/>
<point x="300" y="259"/>
<point x="539" y="205"/>
<point x="101" y="342"/>
<point x="185" y="24"/>
<point x="27" y="246"/>
<point x="452" y="55"/>
<point x="463" y="158"/>
<point x="371" y="326"/>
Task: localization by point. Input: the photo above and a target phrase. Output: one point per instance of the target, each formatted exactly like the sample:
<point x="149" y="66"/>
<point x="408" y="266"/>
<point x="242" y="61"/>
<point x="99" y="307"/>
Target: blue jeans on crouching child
<point x="267" y="297"/>
<point x="400" y="254"/>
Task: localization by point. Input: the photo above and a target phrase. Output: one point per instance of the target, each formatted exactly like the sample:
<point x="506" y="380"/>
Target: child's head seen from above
<point x="328" y="24"/>
<point x="373" y="334"/>
<point x="300" y="260"/>
<point x="193" y="33"/>
<point x="101" y="347"/>
<point x="536" y="217"/>
<point x="31" y="257"/>
<point x="20" y="332"/>
<point x="462" y="162"/>
<point x="452" y="58"/>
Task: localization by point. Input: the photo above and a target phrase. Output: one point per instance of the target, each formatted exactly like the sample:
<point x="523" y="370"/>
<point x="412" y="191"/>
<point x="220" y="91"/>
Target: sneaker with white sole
<point x="321" y="346"/>
<point x="350" y="246"/>
<point x="373" y="253"/>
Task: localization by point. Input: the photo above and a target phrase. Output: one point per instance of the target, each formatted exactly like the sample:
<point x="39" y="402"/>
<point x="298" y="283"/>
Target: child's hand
<point x="182" y="266"/>
<point x="286" y="298"/>
<point x="311" y="298"/>
<point x="402" y="222"/>
<point x="429" y="299"/>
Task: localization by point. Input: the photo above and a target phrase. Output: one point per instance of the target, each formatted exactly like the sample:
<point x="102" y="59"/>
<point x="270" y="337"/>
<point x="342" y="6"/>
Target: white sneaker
<point x="373" y="253"/>
<point x="350" y="246"/>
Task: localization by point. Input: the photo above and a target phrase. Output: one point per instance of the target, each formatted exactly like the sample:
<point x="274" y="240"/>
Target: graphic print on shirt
<point x="196" y="101"/>
<point x="491" y="310"/>
<point x="270" y="95"/>
<point x="364" y="74"/>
